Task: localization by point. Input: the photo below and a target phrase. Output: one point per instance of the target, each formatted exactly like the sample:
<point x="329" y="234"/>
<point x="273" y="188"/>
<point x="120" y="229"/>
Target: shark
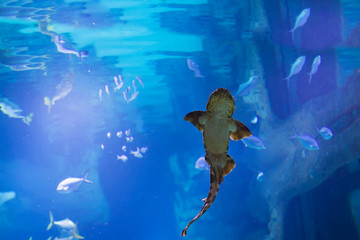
<point x="217" y="126"/>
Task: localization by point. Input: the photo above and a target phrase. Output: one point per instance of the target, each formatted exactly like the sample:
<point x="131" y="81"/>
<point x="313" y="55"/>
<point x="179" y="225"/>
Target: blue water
<point x="61" y="116"/>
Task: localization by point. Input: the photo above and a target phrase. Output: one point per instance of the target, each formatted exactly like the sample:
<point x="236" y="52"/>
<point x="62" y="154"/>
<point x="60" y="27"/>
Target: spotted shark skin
<point x="217" y="126"/>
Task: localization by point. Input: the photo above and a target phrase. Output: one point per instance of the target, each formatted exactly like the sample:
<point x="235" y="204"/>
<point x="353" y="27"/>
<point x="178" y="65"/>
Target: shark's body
<point x="217" y="126"/>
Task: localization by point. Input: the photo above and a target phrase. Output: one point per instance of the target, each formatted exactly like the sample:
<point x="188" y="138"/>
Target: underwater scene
<point x="180" y="119"/>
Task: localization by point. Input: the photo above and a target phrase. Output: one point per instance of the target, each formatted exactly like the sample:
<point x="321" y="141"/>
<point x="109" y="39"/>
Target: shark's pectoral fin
<point x="198" y="118"/>
<point x="238" y="130"/>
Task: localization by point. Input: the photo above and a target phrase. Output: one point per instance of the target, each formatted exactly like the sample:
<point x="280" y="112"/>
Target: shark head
<point x="221" y="102"/>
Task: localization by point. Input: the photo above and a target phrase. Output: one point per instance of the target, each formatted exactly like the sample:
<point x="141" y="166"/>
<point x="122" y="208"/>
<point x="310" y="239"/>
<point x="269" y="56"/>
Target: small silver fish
<point x="254" y="120"/>
<point x="134" y="94"/>
<point x="12" y="110"/>
<point x="245" y="88"/>
<point x="66" y="226"/>
<point x="201" y="164"/>
<point x="260" y="176"/>
<point x="295" y="68"/>
<point x="314" y="67"/>
<point x="119" y="134"/>
<point x="127" y="132"/>
<point x="326" y="133"/>
<point x="140" y="81"/>
<point x="107" y="90"/>
<point x="118" y="85"/>
<point x="253" y="142"/>
<point x="100" y="94"/>
<point x="102" y="146"/>
<point x="143" y="149"/>
<point x="192" y="65"/>
<point x="124" y="148"/>
<point x="129" y="139"/>
<point x="301" y="19"/>
<point x="71" y="184"/>
<point x="307" y="141"/>
<point x="59" y="42"/>
<point x="136" y="153"/>
<point x="125" y="94"/>
<point x="122" y="158"/>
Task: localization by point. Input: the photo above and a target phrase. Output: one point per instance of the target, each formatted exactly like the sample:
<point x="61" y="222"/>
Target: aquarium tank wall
<point x="118" y="117"/>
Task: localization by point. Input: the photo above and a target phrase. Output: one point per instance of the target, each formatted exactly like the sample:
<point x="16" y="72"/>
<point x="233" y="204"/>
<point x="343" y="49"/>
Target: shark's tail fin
<point x="28" y="118"/>
<point x="51" y="221"/>
<point x="217" y="173"/>
<point x="85" y="176"/>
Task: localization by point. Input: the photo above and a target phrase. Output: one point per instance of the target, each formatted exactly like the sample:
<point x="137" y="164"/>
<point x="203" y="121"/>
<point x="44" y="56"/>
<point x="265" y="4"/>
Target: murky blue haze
<point x="99" y="89"/>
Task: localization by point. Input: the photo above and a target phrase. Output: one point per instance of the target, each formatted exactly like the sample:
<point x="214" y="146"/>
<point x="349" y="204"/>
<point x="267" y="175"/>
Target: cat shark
<point x="217" y="126"/>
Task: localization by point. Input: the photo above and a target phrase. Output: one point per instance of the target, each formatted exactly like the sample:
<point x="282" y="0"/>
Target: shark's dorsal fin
<point x="238" y="130"/>
<point x="198" y="118"/>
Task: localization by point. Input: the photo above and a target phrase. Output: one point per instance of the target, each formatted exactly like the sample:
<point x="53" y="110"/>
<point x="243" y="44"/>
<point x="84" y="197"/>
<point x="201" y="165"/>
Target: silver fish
<point x="314" y="67"/>
<point x="295" y="68"/>
<point x="12" y="110"/>
<point x="140" y="81"/>
<point x="301" y="19"/>
<point x="255" y="119"/>
<point x="100" y="94"/>
<point x="107" y="90"/>
<point x="245" y="88"/>
<point x="118" y="85"/>
<point x="326" y="133"/>
<point x="128" y="132"/>
<point x="307" y="141"/>
<point x="134" y="94"/>
<point x="253" y="142"/>
<point x="71" y="184"/>
<point x="125" y="94"/>
<point x="122" y="158"/>
<point x="201" y="164"/>
<point x="66" y="226"/>
<point x="119" y="134"/>
<point x="60" y="45"/>
<point x="136" y="153"/>
<point x="143" y="149"/>
<point x="260" y="176"/>
<point x="192" y="65"/>
<point x="217" y="126"/>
